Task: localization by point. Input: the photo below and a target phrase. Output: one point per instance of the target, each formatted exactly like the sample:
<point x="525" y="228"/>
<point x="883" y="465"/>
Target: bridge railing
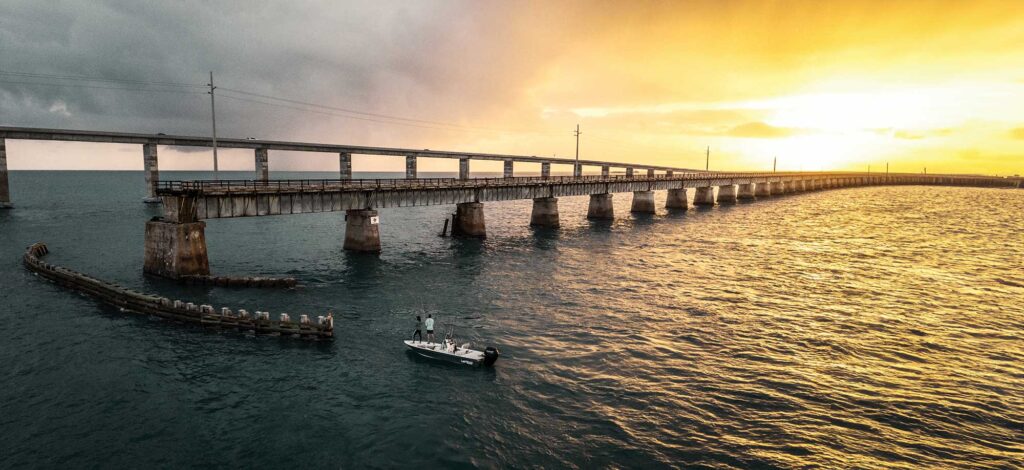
<point x="200" y="186"/>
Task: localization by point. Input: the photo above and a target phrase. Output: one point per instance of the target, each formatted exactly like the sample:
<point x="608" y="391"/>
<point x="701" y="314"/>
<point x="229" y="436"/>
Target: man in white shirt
<point x="430" y="328"/>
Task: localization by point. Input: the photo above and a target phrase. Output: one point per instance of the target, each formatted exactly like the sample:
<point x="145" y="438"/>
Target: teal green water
<point x="858" y="328"/>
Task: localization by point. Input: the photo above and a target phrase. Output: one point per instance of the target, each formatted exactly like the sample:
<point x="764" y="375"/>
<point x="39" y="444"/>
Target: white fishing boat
<point x="449" y="351"/>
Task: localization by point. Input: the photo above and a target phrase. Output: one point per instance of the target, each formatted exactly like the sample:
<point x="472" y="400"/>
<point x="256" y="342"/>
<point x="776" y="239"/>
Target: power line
<point x="98" y="87"/>
<point x="98" y="79"/>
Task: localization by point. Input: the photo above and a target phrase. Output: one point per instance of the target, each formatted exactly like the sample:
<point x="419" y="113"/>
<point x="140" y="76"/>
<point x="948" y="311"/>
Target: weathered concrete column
<point x="668" y="173"/>
<point x="746" y="192"/>
<point x="469" y="220"/>
<point x="151" y="168"/>
<point x="5" y="188"/>
<point x="629" y="172"/>
<point x="650" y="172"/>
<point x="362" y="230"/>
<point x="545" y="170"/>
<point x="643" y="202"/>
<point x="727" y="193"/>
<point x="778" y="188"/>
<point x="704" y="196"/>
<point x="676" y="199"/>
<point x="800" y="186"/>
<point x="463" y="168"/>
<point x="605" y="170"/>
<point x="763" y="189"/>
<point x="410" y="167"/>
<point x="790" y="186"/>
<point x="545" y="212"/>
<point x="174" y="250"/>
<point x="262" y="165"/>
<point x="601" y="207"/>
<point x="345" y="165"/>
<point x="508" y="172"/>
<point x="577" y="170"/>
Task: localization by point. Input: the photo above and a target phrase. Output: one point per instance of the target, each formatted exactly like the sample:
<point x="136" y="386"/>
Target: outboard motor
<point x="490" y="355"/>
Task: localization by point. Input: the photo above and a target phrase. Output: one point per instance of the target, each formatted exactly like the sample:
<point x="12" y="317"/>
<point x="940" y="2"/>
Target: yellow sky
<point x="821" y="85"/>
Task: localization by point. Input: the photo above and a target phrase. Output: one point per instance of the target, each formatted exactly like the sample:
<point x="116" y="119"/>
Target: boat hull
<point x="434" y="351"/>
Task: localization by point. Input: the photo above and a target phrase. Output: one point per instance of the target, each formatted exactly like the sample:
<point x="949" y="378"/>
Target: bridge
<point x="176" y="243"/>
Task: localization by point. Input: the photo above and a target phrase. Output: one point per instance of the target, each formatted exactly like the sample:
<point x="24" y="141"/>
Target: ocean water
<point x="877" y="327"/>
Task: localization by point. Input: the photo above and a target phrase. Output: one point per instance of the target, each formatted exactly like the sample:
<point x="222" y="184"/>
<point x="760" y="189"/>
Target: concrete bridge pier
<point x="778" y="187"/>
<point x="469" y="220"/>
<point x="763" y="189"/>
<point x="800" y="186"/>
<point x="650" y="172"/>
<point x="746" y="192"/>
<point x="643" y="202"/>
<point x="463" y="169"/>
<point x="150" y="167"/>
<point x="545" y="212"/>
<point x="345" y="166"/>
<point x="629" y="172"/>
<point x="175" y="245"/>
<point x="727" y="193"/>
<point x="545" y="170"/>
<point x="507" y="170"/>
<point x="262" y="165"/>
<point x="676" y="199"/>
<point x="5" y="188"/>
<point x="704" y="196"/>
<point x="605" y="170"/>
<point x="410" y="167"/>
<point x="601" y="207"/>
<point x="362" y="230"/>
<point x="577" y="170"/>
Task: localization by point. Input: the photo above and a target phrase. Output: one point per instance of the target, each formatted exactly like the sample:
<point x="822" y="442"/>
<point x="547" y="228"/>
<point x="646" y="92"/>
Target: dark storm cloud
<point x="424" y="60"/>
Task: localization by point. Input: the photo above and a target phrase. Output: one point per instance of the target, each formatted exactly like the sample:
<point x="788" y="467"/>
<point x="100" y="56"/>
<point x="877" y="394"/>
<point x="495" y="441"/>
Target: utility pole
<point x="886" y="168"/>
<point x="577" y="167"/>
<point x="707" y="159"/>
<point x="775" y="163"/>
<point x="213" y="113"/>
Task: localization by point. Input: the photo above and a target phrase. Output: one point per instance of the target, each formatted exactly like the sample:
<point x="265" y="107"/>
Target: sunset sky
<point x="820" y="85"/>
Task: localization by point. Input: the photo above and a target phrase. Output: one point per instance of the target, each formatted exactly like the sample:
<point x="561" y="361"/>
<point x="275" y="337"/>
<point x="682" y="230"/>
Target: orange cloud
<point x="760" y="130"/>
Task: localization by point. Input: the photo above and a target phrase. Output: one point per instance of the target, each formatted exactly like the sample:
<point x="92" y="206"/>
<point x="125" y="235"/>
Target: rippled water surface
<point x="866" y="327"/>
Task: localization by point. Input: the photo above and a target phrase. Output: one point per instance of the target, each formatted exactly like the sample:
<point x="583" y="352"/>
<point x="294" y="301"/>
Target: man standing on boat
<point x="430" y="328"/>
<point x="417" y="333"/>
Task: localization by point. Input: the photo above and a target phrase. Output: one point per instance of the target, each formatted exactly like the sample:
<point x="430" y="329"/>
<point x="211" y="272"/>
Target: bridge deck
<point x="196" y="200"/>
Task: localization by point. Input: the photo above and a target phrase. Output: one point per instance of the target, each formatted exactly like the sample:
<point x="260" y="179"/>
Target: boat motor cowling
<point x="490" y="355"/>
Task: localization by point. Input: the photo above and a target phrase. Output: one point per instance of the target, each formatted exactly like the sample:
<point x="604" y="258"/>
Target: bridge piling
<point x="345" y="165"/>
<point x="545" y="212"/>
<point x="629" y="172"/>
<point x="643" y="202"/>
<point x="605" y="170"/>
<point x="151" y="167"/>
<point x="704" y="196"/>
<point x="727" y="193"/>
<point x="5" y="188"/>
<point x="601" y="207"/>
<point x="676" y="199"/>
<point x="746" y="192"/>
<point x="469" y="220"/>
<point x="508" y="170"/>
<point x="463" y="169"/>
<point x="577" y="170"/>
<point x="545" y="170"/>
<point x="410" y="167"/>
<point x="778" y="188"/>
<point x="262" y="165"/>
<point x="362" y="231"/>
<point x="763" y="190"/>
<point x="176" y="249"/>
